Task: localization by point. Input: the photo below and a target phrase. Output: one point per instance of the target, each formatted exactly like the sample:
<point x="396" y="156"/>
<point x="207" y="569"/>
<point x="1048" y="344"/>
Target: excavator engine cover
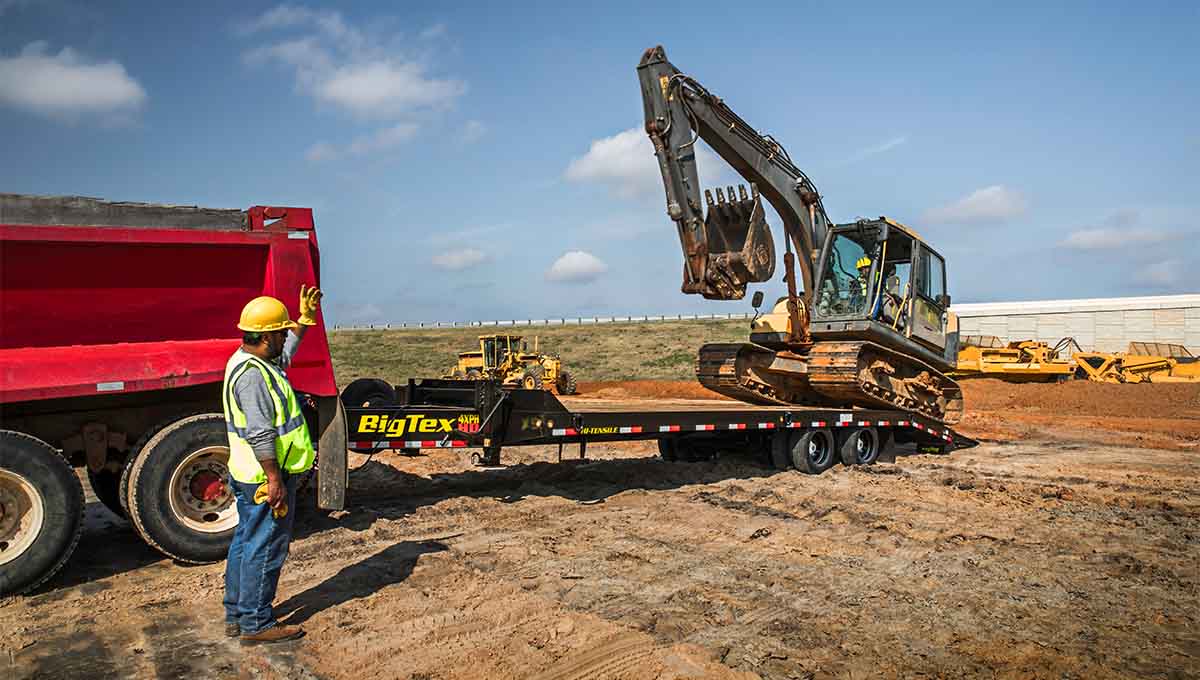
<point x="740" y="247"/>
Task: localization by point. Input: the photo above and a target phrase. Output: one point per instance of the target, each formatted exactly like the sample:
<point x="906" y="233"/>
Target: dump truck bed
<point x="105" y="297"/>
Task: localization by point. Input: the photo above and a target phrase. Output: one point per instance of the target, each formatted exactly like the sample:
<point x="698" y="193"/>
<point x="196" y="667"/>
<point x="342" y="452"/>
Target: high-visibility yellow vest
<point x="293" y="447"/>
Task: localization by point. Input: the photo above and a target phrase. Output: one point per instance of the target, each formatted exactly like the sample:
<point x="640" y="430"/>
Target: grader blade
<point x="740" y="247"/>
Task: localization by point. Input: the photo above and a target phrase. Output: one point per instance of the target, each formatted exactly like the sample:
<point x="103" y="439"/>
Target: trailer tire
<point x="667" y="450"/>
<point x="813" y="452"/>
<point x="37" y="482"/>
<point x="781" y="452"/>
<point x="183" y="460"/>
<point x="860" y="447"/>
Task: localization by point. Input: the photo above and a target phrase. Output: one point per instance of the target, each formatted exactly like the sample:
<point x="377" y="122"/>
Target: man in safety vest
<point x="269" y="446"/>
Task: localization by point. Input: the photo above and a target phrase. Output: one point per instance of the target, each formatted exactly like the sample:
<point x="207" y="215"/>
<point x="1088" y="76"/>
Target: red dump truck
<point x="116" y="320"/>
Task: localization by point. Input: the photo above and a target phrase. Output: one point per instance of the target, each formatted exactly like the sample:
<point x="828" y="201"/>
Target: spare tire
<point x="179" y="500"/>
<point x="369" y="393"/>
<point x="41" y="512"/>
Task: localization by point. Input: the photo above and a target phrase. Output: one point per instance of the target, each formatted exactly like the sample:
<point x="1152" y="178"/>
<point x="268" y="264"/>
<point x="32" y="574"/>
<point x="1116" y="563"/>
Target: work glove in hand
<point x="310" y="302"/>
<point x="263" y="495"/>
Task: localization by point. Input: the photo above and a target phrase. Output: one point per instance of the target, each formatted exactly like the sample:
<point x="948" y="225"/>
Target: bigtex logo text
<point x="416" y="423"/>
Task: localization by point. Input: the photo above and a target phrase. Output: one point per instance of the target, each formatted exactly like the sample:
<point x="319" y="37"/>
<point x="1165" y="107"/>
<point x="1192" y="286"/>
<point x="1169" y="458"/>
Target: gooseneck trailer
<point x="433" y="413"/>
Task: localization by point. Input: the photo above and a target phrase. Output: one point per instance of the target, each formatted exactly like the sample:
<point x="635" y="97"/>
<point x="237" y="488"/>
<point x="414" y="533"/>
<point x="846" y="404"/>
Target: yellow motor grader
<point x="506" y="358"/>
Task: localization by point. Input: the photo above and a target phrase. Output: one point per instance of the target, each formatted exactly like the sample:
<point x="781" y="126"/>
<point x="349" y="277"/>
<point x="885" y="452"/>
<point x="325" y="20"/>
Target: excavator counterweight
<point x="865" y="321"/>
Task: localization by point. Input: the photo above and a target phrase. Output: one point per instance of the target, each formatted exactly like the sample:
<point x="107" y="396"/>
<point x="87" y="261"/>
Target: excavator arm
<point x="731" y="245"/>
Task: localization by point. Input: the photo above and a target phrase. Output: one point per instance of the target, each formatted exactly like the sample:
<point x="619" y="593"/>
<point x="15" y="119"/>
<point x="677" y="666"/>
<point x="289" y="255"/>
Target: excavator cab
<point x="879" y="279"/>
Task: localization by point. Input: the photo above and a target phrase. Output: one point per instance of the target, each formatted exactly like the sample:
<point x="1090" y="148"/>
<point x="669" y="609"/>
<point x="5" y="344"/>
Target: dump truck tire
<point x="566" y="383"/>
<point x="179" y="500"/>
<point x="106" y="484"/>
<point x="860" y="447"/>
<point x="42" y="518"/>
<point x="813" y="452"/>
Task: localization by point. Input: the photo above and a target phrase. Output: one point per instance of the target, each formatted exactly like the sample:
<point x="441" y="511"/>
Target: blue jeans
<point x="256" y="556"/>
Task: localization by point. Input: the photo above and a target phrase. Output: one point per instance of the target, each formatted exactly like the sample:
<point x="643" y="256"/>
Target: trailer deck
<point x="428" y="414"/>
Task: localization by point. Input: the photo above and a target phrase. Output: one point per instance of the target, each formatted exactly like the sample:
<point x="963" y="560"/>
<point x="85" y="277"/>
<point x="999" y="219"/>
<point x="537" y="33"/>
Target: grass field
<point x="630" y="351"/>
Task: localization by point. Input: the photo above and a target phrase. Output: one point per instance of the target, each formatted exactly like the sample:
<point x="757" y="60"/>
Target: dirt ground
<point x="1065" y="545"/>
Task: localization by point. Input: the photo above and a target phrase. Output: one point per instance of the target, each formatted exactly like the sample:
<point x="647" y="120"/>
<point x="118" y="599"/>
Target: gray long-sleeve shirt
<point x="253" y="396"/>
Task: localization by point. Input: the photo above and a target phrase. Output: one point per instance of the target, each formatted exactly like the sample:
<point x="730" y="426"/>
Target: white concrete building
<point x="1102" y="325"/>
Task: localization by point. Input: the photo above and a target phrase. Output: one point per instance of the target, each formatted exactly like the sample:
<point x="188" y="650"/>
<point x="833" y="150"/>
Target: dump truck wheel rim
<point x="194" y="499"/>
<point x="22" y="515"/>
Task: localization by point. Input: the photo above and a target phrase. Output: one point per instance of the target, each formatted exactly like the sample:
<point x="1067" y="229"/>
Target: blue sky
<point x="471" y="161"/>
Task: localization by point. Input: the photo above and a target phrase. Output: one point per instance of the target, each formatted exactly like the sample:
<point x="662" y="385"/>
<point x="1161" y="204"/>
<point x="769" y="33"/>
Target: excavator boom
<point x="731" y="245"/>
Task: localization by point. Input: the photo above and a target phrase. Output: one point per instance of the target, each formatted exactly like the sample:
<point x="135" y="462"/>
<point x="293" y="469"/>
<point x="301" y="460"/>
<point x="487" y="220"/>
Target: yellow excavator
<point x="866" y="319"/>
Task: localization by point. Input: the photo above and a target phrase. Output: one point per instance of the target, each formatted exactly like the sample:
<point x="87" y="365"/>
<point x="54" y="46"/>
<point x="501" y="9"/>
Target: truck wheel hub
<point x="206" y="486"/>
<point x="22" y="514"/>
<point x="199" y="498"/>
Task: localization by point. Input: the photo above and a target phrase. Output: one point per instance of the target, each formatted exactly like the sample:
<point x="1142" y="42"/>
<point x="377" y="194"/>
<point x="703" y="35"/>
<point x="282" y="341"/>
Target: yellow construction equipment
<point x="987" y="356"/>
<point x="1144" y="362"/>
<point x="506" y="358"/>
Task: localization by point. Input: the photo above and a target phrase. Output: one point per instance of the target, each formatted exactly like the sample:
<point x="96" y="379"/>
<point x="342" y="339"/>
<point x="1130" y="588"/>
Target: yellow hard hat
<point x="264" y="314"/>
<point x="863" y="262"/>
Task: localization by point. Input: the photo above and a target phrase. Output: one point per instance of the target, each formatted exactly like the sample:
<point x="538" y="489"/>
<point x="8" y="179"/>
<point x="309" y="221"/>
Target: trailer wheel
<point x="860" y="447"/>
<point x="41" y="512"/>
<point x="179" y="500"/>
<point x="813" y="451"/>
<point x="667" y="450"/>
<point x="781" y="452"/>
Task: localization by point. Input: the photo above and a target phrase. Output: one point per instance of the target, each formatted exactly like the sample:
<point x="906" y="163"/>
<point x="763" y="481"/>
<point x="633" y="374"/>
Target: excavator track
<point x="829" y="374"/>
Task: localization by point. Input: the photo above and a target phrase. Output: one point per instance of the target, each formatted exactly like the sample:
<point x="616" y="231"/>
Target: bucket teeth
<point x="742" y="192"/>
<point x="708" y="197"/>
<point x="720" y="196"/>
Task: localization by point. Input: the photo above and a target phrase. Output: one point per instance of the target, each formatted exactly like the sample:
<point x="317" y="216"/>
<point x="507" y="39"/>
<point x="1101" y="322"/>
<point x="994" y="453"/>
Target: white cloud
<point x="576" y="266"/>
<point x="321" y="151"/>
<point x="863" y="154"/>
<point x="625" y="163"/>
<point x="457" y="260"/>
<point x="336" y="63"/>
<point x="380" y="140"/>
<point x="386" y="88"/>
<point x="65" y="84"/>
<point x="1106" y="238"/>
<point x="472" y="131"/>
<point x="434" y="31"/>
<point x="1163" y="273"/>
<point x="996" y="203"/>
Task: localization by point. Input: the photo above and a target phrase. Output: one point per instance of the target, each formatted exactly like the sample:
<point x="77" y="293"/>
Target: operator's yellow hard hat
<point x="863" y="262"/>
<point x="264" y="314"/>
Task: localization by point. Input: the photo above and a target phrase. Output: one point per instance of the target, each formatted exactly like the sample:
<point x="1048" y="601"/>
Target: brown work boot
<point x="274" y="634"/>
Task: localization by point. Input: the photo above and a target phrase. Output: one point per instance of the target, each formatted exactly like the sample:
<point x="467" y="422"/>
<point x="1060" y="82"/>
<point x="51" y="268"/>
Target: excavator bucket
<point x="740" y="247"/>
